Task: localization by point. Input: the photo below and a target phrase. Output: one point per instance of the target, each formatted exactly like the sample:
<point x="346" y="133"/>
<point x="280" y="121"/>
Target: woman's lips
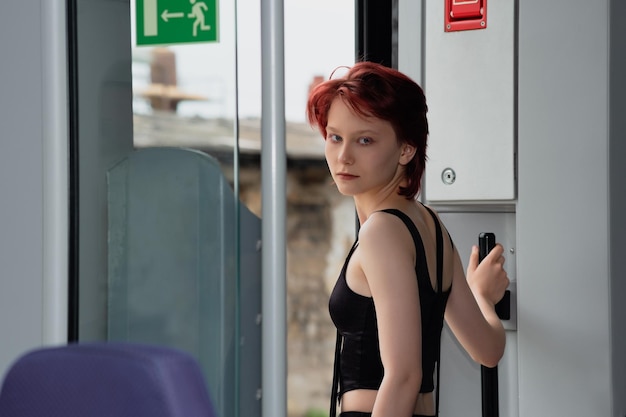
<point x="345" y="176"/>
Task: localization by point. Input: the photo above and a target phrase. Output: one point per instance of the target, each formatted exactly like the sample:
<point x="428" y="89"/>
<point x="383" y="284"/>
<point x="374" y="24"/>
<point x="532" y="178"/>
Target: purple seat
<point x="105" y="379"/>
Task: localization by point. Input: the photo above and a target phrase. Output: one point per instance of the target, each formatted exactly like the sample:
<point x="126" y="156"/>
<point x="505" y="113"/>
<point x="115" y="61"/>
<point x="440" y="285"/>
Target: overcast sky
<point x="319" y="36"/>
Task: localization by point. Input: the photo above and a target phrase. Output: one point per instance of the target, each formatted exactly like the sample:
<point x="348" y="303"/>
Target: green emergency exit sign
<point x="164" y="22"/>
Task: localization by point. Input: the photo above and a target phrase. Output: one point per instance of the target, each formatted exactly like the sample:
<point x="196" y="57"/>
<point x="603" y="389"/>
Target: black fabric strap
<point x="440" y="298"/>
<point x="334" y="394"/>
<point x="335" y="389"/>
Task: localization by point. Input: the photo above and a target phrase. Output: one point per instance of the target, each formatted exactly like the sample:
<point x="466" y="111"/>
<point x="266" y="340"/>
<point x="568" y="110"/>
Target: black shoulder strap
<point x="415" y="234"/>
<point x="439" y="250"/>
<point x="439" y="293"/>
<point x="420" y="252"/>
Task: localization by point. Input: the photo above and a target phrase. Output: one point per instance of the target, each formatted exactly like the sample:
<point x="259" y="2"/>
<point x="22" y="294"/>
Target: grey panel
<point x="469" y="81"/>
<point x="21" y="178"/>
<point x="617" y="158"/>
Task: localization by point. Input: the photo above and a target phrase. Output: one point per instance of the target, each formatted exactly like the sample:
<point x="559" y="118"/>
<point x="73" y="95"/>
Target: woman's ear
<point x="407" y="154"/>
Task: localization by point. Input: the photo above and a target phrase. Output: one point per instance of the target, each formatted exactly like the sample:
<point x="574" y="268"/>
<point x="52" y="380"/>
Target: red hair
<point x="373" y="90"/>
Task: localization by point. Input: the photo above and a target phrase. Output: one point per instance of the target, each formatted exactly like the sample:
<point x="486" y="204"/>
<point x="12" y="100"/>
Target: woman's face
<point x="362" y="153"/>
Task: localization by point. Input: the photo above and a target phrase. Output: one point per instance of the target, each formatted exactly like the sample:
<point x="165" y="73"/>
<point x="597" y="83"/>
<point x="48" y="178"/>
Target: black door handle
<point x="489" y="376"/>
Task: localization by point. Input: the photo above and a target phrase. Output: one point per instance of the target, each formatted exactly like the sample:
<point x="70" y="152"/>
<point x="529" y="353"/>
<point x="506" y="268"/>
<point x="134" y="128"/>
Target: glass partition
<point x="184" y="253"/>
<point x="173" y="268"/>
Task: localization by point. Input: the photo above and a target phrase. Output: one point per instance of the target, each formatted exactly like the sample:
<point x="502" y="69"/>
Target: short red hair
<point x="374" y="90"/>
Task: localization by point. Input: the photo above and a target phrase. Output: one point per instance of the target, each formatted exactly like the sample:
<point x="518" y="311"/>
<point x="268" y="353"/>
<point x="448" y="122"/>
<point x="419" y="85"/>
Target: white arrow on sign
<point x="166" y="15"/>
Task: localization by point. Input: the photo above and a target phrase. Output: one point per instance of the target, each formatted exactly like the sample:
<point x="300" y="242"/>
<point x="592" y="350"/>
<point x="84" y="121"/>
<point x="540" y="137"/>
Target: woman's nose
<point x="345" y="156"/>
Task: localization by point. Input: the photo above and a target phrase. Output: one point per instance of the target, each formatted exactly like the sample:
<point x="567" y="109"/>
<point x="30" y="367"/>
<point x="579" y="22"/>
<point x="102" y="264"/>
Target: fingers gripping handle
<point x="486" y="242"/>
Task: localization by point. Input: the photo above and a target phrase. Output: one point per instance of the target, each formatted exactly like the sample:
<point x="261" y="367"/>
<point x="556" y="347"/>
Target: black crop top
<point x="354" y="315"/>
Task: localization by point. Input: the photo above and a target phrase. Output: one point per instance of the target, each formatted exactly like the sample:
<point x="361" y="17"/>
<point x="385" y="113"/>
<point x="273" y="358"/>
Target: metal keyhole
<point x="448" y="176"/>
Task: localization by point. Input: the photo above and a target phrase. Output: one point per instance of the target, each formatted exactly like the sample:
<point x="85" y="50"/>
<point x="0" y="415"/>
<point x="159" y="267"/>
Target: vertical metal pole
<point x="55" y="172"/>
<point x="273" y="188"/>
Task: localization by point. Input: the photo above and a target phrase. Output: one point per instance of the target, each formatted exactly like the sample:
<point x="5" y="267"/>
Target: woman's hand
<point x="471" y="312"/>
<point x="488" y="279"/>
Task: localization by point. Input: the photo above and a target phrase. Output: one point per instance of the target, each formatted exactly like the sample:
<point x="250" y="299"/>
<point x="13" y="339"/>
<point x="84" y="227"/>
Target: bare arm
<point x="387" y="260"/>
<point x="470" y="311"/>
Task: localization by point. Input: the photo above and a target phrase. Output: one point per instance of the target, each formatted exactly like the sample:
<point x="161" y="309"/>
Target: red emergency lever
<point x="465" y="15"/>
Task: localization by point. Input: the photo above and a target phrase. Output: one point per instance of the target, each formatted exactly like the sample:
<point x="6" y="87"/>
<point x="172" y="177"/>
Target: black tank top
<point x="354" y="315"/>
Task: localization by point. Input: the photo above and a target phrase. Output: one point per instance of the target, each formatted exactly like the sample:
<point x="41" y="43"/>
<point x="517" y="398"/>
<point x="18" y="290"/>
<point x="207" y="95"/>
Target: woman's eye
<point x="334" y="138"/>
<point x="365" y="140"/>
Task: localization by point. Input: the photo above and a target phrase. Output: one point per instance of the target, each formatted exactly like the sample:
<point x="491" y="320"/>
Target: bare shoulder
<point x="384" y="233"/>
<point x="380" y="225"/>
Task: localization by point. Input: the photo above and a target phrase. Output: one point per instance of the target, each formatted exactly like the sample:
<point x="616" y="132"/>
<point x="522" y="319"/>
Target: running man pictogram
<point x="197" y="11"/>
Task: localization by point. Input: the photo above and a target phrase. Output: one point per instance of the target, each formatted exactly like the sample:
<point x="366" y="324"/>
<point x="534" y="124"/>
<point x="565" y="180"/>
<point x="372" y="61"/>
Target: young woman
<point x="403" y="273"/>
